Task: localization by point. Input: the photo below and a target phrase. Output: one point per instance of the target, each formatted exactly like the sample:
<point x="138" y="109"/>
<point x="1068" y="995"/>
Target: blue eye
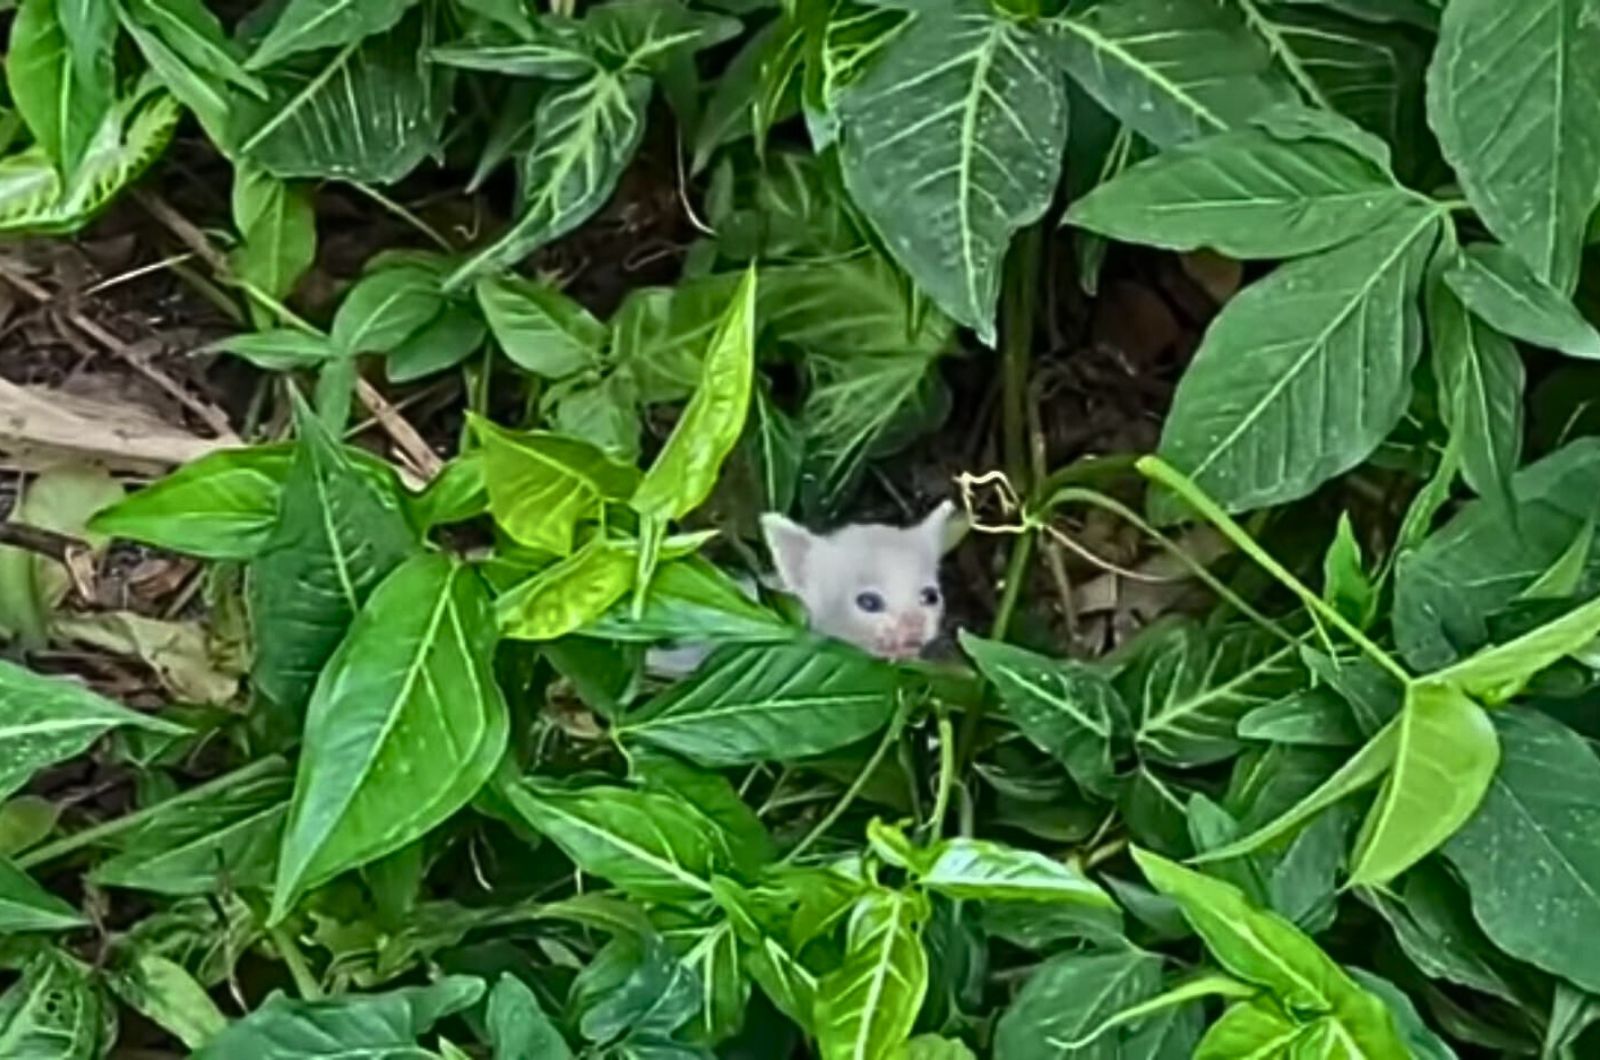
<point x="871" y="603"/>
<point x="930" y="597"/>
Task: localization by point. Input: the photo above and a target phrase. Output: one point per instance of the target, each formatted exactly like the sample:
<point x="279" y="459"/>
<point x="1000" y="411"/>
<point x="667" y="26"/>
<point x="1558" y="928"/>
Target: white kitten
<point x="870" y="584"/>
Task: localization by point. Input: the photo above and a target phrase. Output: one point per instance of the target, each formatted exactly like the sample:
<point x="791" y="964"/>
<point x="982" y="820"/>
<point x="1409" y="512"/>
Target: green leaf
<point x="369" y="112"/>
<point x="1499" y="287"/>
<point x="1076" y="996"/>
<point x="539" y="328"/>
<point x="986" y="871"/>
<point x="550" y="53"/>
<point x="1509" y="96"/>
<point x="194" y="36"/>
<point x="452" y="336"/>
<point x="1266" y="412"/>
<point x="64" y="96"/>
<point x="1189" y="687"/>
<point x="279" y="349"/>
<point x="1433" y="924"/>
<point x="1262" y="948"/>
<point x="565" y="597"/>
<point x="769" y="702"/>
<point x="660" y="334"/>
<point x="1481" y="376"/>
<point x="635" y="987"/>
<point x="712" y="957"/>
<point x="1067" y="709"/>
<point x="336" y="537"/>
<point x="518" y="1027"/>
<point x="952" y="143"/>
<point x="866" y="1007"/>
<point x="586" y="132"/>
<point x="35" y="198"/>
<point x="1419" y="1038"/>
<point x="1171" y="70"/>
<point x="307" y="25"/>
<point x="384" y="308"/>
<point x="406" y="724"/>
<point x="1499" y="673"/>
<point x="53" y="1012"/>
<point x="1481" y="560"/>
<point x="541" y="485"/>
<point x="228" y="829"/>
<point x="1445" y="756"/>
<point x="26" y="906"/>
<point x="710" y="793"/>
<point x="1252" y="1028"/>
<point x="378" y="1025"/>
<point x="165" y="993"/>
<point x="279" y="227"/>
<point x="222" y="506"/>
<point x="1313" y="718"/>
<point x="44" y="720"/>
<point x="1345" y="583"/>
<point x="650" y="843"/>
<point x="692" y="600"/>
<point x="685" y="471"/>
<point x="1528" y="857"/>
<point x="1247" y="194"/>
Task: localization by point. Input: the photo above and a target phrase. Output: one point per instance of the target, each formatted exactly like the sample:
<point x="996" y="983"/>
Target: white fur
<point x="898" y="565"/>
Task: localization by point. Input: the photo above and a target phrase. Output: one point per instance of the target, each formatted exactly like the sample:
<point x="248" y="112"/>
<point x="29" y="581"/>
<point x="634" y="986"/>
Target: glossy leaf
<point x="1247" y="194"/>
<point x="1065" y="708"/>
<point x="279" y="227"/>
<point x="983" y="870"/>
<point x="165" y="993"/>
<point x="44" y="720"/>
<point x="1503" y="290"/>
<point x="384" y="308"/>
<point x="685" y="471"/>
<point x="1262" y="948"/>
<point x="1280" y="358"/>
<point x="1499" y="673"/>
<point x="866" y="1008"/>
<point x="518" y="1027"/>
<point x="225" y="830"/>
<point x="769" y="702"/>
<point x="952" y="142"/>
<point x="386" y="1025"/>
<point x="568" y="595"/>
<point x="1525" y="142"/>
<point x="1070" y="997"/>
<point x="370" y="111"/>
<point x="541" y="485"/>
<point x="647" y="842"/>
<point x="1445" y="756"/>
<point x="586" y="132"/>
<point x="539" y="328"/>
<point x="692" y="600"/>
<point x="307" y="25"/>
<point x="222" y="506"/>
<point x="406" y="724"/>
<point x="52" y="1012"/>
<point x="336" y="537"/>
<point x="26" y="906"/>
<point x="1528" y="856"/>
<point x="62" y="94"/>
<point x="1171" y="70"/>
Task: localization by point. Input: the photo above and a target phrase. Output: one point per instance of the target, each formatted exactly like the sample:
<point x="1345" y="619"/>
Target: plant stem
<point x="1016" y="341"/>
<point x="947" y="776"/>
<point x="117" y="825"/>
<point x="295" y="961"/>
<point x="890" y="736"/>
<point x="404" y="214"/>
<point x="1010" y="595"/>
<point x="1174" y="480"/>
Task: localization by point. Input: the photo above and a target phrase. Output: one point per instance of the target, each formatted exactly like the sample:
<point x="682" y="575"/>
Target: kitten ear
<point x="792" y="546"/>
<point x="943" y="528"/>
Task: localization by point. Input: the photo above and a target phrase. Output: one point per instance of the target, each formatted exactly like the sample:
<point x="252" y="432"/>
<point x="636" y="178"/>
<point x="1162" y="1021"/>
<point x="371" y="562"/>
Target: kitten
<point x="869" y="584"/>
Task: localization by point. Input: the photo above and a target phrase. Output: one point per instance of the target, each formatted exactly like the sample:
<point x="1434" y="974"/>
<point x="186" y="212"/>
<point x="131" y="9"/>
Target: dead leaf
<point x="1220" y="277"/>
<point x="178" y="652"/>
<point x="39" y="426"/>
<point x="62" y="500"/>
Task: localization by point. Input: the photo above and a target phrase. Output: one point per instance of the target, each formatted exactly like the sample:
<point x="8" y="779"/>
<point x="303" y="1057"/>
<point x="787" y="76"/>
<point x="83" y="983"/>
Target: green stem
<point x="1010" y="595"/>
<point x="1016" y="341"/>
<point x="890" y="736"/>
<point x="116" y="826"/>
<point x="947" y="776"/>
<point x="404" y="214"/>
<point x="295" y="961"/>
<point x="1166" y="475"/>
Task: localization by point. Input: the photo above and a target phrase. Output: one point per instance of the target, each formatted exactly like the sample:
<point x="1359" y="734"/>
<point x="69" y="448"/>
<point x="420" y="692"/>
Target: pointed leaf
<point x="540" y="329"/>
<point x="1071" y="995"/>
<point x="1499" y="287"/>
<point x="568" y="595"/>
<point x="541" y="485"/>
<point x="769" y="702"/>
<point x="517" y="1025"/>
<point x="63" y="95"/>
<point x="1499" y="673"/>
<point x="26" y="906"/>
<point x="987" y="871"/>
<point x="1515" y="103"/>
<point x="307" y="25"/>
<point x="1481" y="374"/>
<point x="406" y="724"/>
<point x="52" y="1012"/>
<point x="1445" y="757"/>
<point x="866" y="1008"/>
<point x="1304" y="373"/>
<point x="952" y="142"/>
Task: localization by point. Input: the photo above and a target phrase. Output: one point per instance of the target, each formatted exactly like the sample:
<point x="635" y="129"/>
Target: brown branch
<point x="75" y="554"/>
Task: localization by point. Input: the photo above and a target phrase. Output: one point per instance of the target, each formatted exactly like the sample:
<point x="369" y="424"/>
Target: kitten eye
<point x="871" y="603"/>
<point x="930" y="597"/>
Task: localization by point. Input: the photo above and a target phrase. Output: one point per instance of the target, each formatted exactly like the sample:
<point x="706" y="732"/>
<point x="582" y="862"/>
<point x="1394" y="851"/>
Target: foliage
<point x="1346" y="809"/>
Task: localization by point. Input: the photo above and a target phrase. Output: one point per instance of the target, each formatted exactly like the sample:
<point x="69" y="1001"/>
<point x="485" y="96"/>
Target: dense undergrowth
<point x="407" y="791"/>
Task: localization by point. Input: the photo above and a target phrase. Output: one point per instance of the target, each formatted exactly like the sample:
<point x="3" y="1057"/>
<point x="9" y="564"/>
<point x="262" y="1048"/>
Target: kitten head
<point x="872" y="585"/>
